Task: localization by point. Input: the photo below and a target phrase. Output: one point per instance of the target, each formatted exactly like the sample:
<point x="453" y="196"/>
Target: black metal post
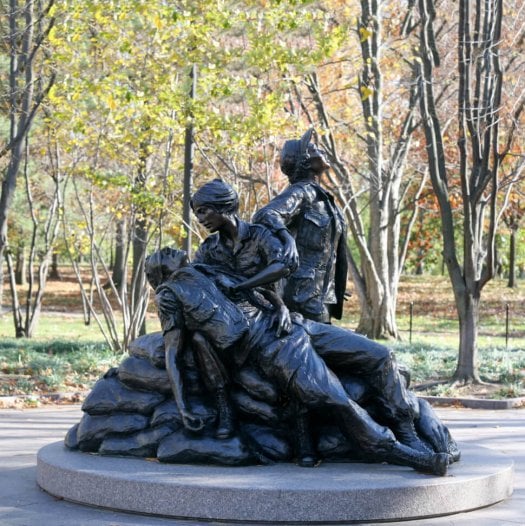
<point x="188" y="169"/>
<point x="506" y="326"/>
<point x="411" y="318"/>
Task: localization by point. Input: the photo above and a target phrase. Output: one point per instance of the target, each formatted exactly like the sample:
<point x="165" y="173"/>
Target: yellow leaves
<point x="365" y="33"/>
<point x="158" y="22"/>
<point x="53" y="36"/>
<point x="53" y="11"/>
<point x="366" y="92"/>
<point x="99" y="17"/>
<point x="54" y="95"/>
<point x="111" y="102"/>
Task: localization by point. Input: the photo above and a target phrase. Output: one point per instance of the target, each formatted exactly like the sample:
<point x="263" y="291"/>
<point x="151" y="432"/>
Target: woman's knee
<point x="197" y="338"/>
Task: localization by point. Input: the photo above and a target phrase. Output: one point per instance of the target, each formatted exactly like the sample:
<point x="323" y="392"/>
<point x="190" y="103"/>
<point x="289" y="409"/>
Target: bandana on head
<point x="163" y="262"/>
<point x="218" y="195"/>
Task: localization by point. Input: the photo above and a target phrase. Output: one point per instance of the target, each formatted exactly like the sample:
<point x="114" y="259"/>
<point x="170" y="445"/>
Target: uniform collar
<point x="243" y="233"/>
<point x="243" y="229"/>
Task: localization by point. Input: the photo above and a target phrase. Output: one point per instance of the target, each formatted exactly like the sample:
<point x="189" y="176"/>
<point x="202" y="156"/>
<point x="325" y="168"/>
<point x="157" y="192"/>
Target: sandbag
<point x="150" y="347"/>
<point x="333" y="446"/>
<point x="254" y="409"/>
<point x="183" y="448"/>
<point x="142" y="444"/>
<point x="140" y="373"/>
<point x="270" y="442"/>
<point x="109" y="395"/>
<point x="93" y="429"/>
<point x="168" y="413"/>
<point x="71" y="438"/>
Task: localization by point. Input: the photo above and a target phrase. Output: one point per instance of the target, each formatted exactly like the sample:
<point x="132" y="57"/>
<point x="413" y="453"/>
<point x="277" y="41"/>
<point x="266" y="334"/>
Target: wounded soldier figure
<point x="224" y="306"/>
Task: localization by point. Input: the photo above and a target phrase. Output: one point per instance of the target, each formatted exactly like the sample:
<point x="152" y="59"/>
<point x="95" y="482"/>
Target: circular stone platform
<point x="279" y="493"/>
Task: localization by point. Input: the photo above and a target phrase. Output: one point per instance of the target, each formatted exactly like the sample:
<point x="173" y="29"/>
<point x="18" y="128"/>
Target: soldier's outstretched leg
<point x="315" y="386"/>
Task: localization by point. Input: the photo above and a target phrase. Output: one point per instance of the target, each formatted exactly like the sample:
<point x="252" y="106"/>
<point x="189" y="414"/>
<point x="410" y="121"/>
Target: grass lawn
<point x="434" y="317"/>
<point x="71" y="327"/>
<point x="56" y="326"/>
<point x="67" y="355"/>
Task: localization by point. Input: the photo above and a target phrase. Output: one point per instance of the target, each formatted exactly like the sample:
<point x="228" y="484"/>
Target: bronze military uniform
<point x="316" y="288"/>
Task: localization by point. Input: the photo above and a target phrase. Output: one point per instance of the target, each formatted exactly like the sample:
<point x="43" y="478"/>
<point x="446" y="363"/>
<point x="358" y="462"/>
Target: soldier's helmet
<point x="296" y="155"/>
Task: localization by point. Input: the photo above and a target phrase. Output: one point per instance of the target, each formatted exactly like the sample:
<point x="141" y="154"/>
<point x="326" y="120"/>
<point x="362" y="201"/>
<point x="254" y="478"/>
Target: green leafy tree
<point x="25" y="87"/>
<point x="121" y="105"/>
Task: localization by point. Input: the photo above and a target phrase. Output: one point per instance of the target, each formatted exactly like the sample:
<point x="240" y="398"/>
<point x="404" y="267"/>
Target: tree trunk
<point x="140" y="237"/>
<point x="377" y="238"/>
<point x="420" y="263"/>
<point x="378" y="319"/>
<point x="377" y="316"/>
<point x="376" y="270"/>
<point x="139" y="247"/>
<point x="1" y="285"/>
<point x="468" y="311"/>
<point x="8" y="190"/>
<point x="21" y="266"/>
<point x="119" y="265"/>
<point x="55" y="272"/>
<point x="512" y="259"/>
<point x="420" y="253"/>
<point x="17" y="312"/>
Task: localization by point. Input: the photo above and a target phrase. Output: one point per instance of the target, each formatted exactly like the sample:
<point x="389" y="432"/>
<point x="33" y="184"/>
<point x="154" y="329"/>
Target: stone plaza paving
<point x="24" y="432"/>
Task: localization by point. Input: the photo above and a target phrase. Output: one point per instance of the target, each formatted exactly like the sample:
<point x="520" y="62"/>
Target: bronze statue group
<point x="251" y="312"/>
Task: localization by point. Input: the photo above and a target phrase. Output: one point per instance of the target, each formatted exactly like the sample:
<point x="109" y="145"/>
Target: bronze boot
<point x="305" y="452"/>
<point x="405" y="433"/>
<point x="435" y="463"/>
<point x="225" y="423"/>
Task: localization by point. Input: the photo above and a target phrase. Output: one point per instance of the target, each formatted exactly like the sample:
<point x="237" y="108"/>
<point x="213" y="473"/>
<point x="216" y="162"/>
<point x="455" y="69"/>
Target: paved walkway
<point x="22" y="503"/>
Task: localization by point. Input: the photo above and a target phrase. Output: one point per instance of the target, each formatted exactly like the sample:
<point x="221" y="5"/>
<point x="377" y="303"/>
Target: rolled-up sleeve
<point x="269" y="246"/>
<point x="282" y="209"/>
<point x="169" y="309"/>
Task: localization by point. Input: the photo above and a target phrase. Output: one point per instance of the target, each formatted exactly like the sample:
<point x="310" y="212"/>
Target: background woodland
<point x="106" y="105"/>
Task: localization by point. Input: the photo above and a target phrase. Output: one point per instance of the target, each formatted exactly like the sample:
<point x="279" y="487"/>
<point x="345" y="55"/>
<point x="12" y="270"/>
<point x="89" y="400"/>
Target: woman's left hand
<point x="284" y="322"/>
<point x="226" y="284"/>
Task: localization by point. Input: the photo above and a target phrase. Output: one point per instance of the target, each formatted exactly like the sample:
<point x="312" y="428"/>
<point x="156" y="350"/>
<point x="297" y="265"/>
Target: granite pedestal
<point x="282" y="493"/>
